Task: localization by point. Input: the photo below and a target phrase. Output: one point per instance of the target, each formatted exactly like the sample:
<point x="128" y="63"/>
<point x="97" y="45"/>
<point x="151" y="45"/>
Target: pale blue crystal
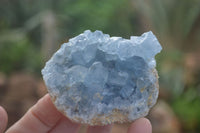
<point x="94" y="75"/>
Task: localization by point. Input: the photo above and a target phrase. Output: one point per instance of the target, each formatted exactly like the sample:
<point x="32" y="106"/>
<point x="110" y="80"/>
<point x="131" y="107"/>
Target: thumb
<point x="3" y="119"/>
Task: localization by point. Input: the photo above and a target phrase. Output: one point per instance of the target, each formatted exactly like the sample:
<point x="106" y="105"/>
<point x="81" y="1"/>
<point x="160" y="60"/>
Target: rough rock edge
<point x="116" y="116"/>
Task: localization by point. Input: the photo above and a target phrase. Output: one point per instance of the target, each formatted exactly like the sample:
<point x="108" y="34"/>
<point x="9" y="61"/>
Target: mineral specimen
<point x="97" y="79"/>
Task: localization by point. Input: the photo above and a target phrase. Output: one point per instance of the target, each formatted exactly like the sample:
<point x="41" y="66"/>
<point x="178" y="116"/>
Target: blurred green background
<point x="32" y="30"/>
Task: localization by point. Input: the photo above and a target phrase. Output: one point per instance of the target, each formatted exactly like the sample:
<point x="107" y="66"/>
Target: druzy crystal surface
<point x="97" y="79"/>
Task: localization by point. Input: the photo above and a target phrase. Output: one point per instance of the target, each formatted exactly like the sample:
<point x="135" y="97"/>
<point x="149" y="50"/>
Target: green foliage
<point x="187" y="108"/>
<point x="17" y="56"/>
<point x="171" y="72"/>
<point x="111" y="16"/>
<point x="12" y="55"/>
<point x="22" y="23"/>
<point x="173" y="20"/>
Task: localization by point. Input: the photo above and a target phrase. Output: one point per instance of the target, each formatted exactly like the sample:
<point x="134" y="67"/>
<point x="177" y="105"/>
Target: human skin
<point x="43" y="117"/>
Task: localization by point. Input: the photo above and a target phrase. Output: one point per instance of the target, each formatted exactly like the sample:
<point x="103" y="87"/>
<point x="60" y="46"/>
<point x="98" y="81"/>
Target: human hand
<point x="43" y="117"/>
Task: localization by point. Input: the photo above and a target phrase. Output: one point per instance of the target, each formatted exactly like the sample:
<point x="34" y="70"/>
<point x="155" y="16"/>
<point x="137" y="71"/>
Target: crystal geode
<point x="97" y="79"/>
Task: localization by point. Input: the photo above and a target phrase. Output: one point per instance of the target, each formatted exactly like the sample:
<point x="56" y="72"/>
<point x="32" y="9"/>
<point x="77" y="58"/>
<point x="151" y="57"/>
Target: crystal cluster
<point x="97" y="79"/>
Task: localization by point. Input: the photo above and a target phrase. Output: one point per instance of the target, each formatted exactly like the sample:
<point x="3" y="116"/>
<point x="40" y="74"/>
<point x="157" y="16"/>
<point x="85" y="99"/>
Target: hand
<point x="43" y="117"/>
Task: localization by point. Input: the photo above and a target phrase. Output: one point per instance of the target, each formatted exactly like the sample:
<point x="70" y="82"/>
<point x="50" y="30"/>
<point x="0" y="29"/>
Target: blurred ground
<point x="31" y="31"/>
<point x="22" y="90"/>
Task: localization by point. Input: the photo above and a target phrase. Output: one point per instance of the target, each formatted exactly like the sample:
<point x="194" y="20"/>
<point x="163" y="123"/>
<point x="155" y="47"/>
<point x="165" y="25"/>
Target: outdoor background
<point x="32" y="30"/>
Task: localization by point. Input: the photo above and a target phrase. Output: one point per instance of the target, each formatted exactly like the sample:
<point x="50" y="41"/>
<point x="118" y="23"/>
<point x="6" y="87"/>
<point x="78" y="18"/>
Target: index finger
<point x="141" y="125"/>
<point x="41" y="118"/>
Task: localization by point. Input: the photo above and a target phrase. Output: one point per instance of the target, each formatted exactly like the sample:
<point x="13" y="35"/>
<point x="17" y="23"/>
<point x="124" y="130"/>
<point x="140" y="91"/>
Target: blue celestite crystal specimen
<point x="97" y="79"/>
